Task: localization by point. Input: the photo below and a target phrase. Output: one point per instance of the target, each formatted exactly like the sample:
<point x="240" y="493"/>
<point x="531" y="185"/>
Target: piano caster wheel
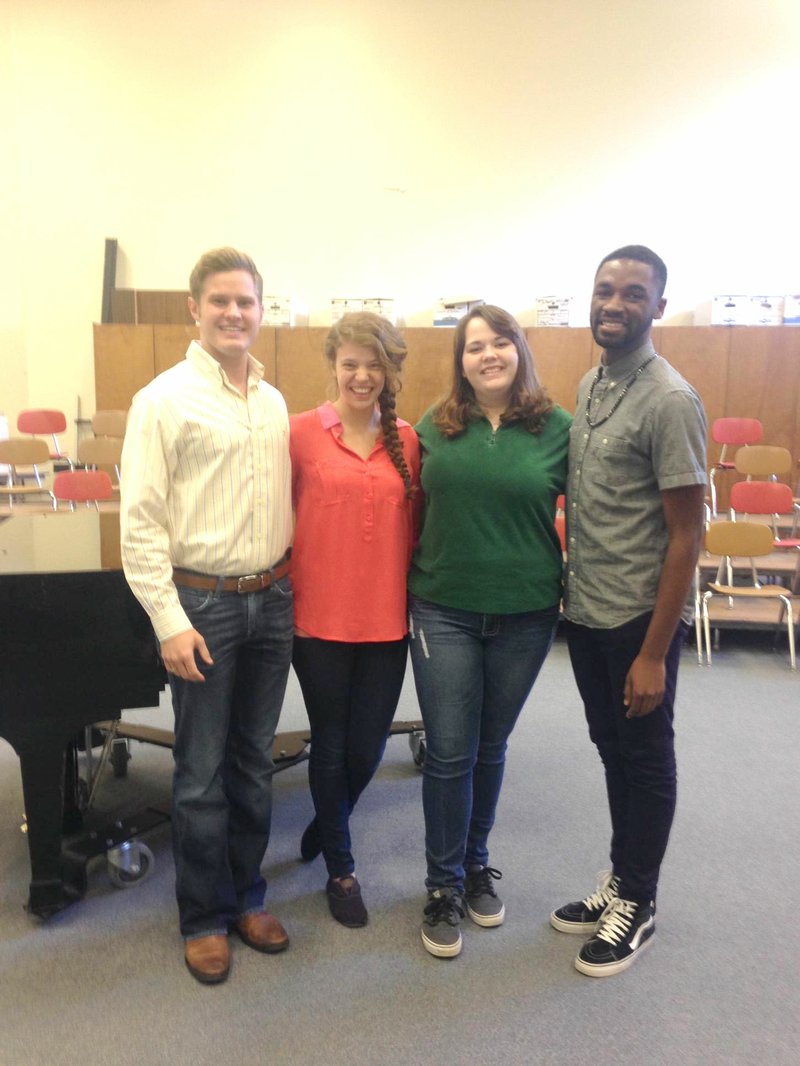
<point x="416" y="741"/>
<point x="129" y="863"/>
<point x="120" y="757"/>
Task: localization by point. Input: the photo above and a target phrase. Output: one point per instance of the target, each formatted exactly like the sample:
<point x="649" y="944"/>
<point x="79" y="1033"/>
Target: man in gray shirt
<point x="637" y="476"/>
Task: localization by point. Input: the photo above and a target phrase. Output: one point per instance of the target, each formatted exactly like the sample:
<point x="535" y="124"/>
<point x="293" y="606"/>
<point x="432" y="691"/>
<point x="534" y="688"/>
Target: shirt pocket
<point x="615" y="460"/>
<point x="333" y="483"/>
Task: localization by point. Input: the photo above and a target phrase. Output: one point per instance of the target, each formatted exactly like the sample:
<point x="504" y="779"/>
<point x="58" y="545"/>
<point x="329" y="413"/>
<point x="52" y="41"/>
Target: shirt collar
<point x="628" y="364"/>
<point x="329" y="417"/>
<point x="210" y="367"/>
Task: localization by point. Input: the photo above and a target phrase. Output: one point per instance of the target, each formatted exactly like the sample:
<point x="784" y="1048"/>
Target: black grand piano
<point x="75" y="648"/>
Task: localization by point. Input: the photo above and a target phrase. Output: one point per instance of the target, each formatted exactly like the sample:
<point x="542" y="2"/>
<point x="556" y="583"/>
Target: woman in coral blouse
<point x="355" y="473"/>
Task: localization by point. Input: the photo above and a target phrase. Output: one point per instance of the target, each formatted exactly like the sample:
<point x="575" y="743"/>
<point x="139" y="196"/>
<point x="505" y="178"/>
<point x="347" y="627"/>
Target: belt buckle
<point x="250" y="583"/>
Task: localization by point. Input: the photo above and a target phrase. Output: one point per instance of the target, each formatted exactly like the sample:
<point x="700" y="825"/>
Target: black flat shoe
<point x="345" y="902"/>
<point x="310" y="841"/>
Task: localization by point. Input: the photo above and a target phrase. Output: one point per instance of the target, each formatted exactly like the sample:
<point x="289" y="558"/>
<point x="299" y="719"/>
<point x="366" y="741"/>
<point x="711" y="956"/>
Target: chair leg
<point x="707" y="629"/>
<point x="790" y="630"/>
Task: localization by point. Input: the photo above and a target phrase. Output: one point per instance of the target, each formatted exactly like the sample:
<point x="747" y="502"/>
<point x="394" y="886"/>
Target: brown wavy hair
<point x="368" y="330"/>
<point x="529" y="402"/>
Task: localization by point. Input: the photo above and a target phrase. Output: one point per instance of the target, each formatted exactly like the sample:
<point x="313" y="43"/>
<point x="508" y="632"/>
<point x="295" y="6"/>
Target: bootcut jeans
<point x="224" y="728"/>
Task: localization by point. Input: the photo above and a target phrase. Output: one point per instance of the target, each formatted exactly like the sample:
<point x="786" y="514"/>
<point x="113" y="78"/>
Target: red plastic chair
<point x="736" y="433"/>
<point x="82" y="486"/>
<point x="44" y="422"/>
<point x="771" y="498"/>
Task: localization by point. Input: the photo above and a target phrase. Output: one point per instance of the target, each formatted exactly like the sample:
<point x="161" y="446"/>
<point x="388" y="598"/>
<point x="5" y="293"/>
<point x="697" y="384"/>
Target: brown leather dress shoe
<point x="208" y="959"/>
<point x="263" y="932"/>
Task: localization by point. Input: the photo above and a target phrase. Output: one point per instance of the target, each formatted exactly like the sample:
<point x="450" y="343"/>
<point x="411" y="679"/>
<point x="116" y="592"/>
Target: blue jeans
<point x="351" y="693"/>
<point x="224" y="728"/>
<point x="473" y="673"/>
<point x="638" y="754"/>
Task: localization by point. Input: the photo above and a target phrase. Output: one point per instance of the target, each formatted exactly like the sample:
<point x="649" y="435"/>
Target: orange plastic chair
<point x="82" y="486"/>
<point x="731" y="432"/>
<point x="44" y="422"/>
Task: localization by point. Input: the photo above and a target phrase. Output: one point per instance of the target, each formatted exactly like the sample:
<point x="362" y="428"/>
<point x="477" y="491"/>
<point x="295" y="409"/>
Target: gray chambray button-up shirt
<point x="616" y="533"/>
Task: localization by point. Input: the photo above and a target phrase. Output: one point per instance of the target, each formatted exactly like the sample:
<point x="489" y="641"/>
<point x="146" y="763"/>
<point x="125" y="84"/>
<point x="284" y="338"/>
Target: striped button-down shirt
<point x="206" y="482"/>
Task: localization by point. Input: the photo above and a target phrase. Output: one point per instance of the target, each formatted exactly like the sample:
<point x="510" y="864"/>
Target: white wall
<point x="527" y="137"/>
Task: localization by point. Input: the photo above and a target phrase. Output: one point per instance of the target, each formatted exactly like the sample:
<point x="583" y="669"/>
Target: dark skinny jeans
<point x="351" y="693"/>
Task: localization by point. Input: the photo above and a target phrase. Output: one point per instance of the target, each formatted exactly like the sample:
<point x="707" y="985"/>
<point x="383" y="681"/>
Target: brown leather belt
<point x="246" y="583"/>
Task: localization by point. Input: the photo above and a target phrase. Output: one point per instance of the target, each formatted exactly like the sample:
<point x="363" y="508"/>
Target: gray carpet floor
<point x="104" y="981"/>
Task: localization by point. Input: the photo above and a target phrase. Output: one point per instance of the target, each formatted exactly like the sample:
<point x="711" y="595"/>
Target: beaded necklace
<point x="619" y="399"/>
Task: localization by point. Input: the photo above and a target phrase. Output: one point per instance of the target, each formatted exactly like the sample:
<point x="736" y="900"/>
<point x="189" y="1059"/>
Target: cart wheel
<point x="120" y="757"/>
<point x="416" y="741"/>
<point x="129" y="864"/>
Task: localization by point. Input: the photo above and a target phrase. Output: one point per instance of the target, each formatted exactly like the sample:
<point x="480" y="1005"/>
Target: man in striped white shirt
<point x="206" y="522"/>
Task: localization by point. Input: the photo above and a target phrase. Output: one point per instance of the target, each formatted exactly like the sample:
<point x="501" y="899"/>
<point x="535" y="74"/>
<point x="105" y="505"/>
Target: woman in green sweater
<point x="485" y="587"/>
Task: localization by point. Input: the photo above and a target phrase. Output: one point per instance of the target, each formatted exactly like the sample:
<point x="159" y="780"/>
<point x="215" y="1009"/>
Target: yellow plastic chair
<point x="763" y="461"/>
<point x="24" y="457"/>
<point x="109" y="423"/>
<point x="743" y="540"/>
<point x="101" y="451"/>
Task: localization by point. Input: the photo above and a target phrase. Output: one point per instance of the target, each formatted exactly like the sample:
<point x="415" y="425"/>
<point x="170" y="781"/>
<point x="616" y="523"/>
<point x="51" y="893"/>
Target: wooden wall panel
<point x="763" y="380"/>
<point x="427" y="370"/>
<point x="562" y="357"/>
<point x="123" y="363"/>
<point x="301" y="370"/>
<point x="170" y="344"/>
<point x="110" y="552"/>
<point x="162" y="308"/>
<point x="265" y="350"/>
<point x="701" y="355"/>
<point x="123" y="305"/>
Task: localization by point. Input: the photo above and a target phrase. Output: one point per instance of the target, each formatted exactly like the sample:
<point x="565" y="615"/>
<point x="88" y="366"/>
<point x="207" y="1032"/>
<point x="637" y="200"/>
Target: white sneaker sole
<point x="442" y="951"/>
<point x="581" y="928"/>
<point x="608" y="969"/>
<point x="488" y="921"/>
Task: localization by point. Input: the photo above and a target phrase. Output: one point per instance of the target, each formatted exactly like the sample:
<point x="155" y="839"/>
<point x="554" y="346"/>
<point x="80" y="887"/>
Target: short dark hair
<point x="642" y="255"/>
<point x="219" y="261"/>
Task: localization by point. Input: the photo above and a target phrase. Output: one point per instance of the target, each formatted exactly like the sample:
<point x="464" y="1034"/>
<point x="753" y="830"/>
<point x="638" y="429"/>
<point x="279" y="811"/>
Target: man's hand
<point x="644" y="686"/>
<point x="178" y="654"/>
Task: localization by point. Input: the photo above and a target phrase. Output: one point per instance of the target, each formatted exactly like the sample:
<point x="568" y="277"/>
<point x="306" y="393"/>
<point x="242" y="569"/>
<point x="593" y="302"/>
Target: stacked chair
<point x="104" y="449"/>
<point x="27" y="462"/>
<point x="757" y="504"/>
<point x="45" y="422"/>
<point x="730" y="433"/>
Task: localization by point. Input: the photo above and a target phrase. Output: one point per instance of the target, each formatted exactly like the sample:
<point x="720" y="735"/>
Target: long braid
<point x="391" y="438"/>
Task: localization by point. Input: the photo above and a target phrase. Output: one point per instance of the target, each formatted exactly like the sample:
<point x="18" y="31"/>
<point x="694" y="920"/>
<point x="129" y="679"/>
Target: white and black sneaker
<point x="624" y="931"/>
<point x="583" y="915"/>
<point x="484" y="906"/>
<point x="441" y="923"/>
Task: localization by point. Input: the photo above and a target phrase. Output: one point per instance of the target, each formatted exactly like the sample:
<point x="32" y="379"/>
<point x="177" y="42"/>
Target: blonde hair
<point x="218" y="261"/>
